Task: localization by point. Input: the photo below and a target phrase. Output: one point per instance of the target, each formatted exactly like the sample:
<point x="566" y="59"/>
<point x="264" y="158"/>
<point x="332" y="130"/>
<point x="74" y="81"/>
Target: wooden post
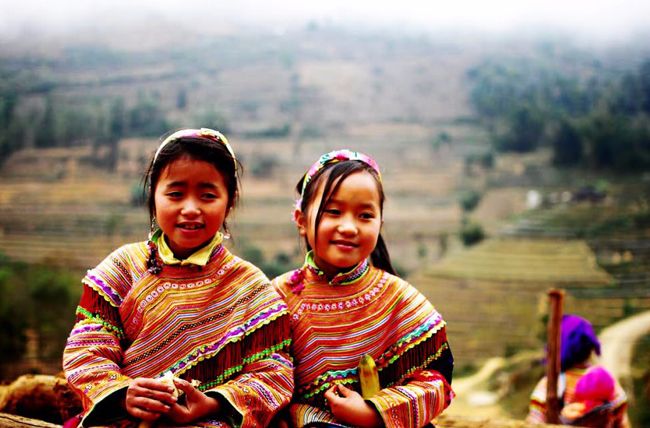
<point x="556" y="298"/>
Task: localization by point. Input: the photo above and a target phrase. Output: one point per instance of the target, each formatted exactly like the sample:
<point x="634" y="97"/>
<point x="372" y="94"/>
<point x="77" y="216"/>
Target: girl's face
<point x="350" y="225"/>
<point x="191" y="203"/>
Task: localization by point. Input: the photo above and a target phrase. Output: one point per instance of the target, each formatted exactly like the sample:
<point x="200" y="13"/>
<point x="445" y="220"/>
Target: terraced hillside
<point x="56" y="207"/>
<point x="494" y="295"/>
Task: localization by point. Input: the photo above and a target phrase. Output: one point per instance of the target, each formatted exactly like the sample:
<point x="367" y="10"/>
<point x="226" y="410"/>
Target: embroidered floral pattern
<point x="344" y="304"/>
<point x="149" y="298"/>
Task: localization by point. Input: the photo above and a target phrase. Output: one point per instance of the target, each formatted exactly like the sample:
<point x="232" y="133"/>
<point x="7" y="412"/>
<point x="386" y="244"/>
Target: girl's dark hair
<point x="334" y="174"/>
<point x="197" y="148"/>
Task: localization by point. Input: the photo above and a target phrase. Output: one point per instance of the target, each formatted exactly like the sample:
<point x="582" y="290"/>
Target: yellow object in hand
<point x="368" y="377"/>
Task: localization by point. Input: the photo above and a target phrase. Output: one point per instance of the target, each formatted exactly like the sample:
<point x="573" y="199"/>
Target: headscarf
<point x="577" y="341"/>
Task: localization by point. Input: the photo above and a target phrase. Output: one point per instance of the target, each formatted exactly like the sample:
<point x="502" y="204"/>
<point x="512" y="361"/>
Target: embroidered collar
<point x="342" y="278"/>
<point x="199" y="258"/>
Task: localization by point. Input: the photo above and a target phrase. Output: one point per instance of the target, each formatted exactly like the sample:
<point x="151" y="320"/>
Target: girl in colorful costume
<point x="346" y="301"/>
<point x="182" y="304"/>
<point x="589" y="395"/>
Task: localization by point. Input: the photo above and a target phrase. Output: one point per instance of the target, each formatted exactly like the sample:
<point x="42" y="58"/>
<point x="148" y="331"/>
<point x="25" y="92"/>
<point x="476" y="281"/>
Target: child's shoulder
<point x="244" y="266"/>
<point x="132" y="250"/>
<point x="396" y="281"/>
<point x="128" y="258"/>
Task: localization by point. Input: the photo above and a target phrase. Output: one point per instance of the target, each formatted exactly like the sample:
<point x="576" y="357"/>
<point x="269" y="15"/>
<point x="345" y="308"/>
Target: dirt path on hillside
<point x="472" y="396"/>
<point x="617" y="345"/>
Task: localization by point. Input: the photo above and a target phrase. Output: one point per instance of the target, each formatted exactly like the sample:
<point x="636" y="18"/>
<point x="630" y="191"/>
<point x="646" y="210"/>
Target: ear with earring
<point x="226" y="232"/>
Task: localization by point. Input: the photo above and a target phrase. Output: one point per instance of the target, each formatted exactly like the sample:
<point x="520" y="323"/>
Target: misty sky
<point x="603" y="19"/>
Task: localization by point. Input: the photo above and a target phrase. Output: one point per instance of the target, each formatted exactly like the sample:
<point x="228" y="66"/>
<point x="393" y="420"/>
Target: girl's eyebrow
<point x="202" y="185"/>
<point x="363" y="204"/>
<point x="207" y="185"/>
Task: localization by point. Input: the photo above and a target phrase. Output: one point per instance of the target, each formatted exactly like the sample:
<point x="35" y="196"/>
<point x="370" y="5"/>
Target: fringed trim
<point x="333" y="380"/>
<point x="93" y="305"/>
<point x="231" y="359"/>
<point x="415" y="358"/>
<point x="424" y="365"/>
<point x="431" y="327"/>
<point x="396" y="368"/>
<point x="231" y="371"/>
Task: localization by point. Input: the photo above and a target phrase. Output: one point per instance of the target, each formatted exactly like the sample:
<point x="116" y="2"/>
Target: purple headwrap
<point x="577" y="341"/>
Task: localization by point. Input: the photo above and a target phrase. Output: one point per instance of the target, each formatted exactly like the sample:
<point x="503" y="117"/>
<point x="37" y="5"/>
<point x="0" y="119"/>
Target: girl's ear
<point x="231" y="204"/>
<point x="301" y="221"/>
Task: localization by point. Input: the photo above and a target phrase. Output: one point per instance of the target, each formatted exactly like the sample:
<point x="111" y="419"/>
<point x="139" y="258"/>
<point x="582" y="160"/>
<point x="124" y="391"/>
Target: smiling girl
<point x="346" y="301"/>
<point x="181" y="304"/>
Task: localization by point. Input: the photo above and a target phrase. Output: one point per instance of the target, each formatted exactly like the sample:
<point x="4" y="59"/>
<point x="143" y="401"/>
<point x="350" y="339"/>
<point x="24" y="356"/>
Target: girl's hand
<point x="349" y="407"/>
<point x="196" y="404"/>
<point x="148" y="399"/>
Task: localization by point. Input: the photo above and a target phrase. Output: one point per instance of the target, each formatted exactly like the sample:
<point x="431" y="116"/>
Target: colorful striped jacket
<point x="366" y="311"/>
<point x="221" y="324"/>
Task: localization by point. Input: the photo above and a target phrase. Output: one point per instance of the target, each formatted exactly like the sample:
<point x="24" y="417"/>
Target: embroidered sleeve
<point x="253" y="398"/>
<point x="92" y="355"/>
<point x="422" y="396"/>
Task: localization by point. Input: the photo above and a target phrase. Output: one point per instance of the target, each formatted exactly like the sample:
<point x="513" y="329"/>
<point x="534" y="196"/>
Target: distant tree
<point x="118" y="120"/>
<point x="210" y="118"/>
<point x="34" y="297"/>
<point x="471" y="233"/>
<point x="117" y="124"/>
<point x="644" y="77"/>
<point x="618" y="142"/>
<point x="632" y="95"/>
<point x="525" y="131"/>
<point x="263" y="166"/>
<point x="469" y="200"/>
<point x="12" y="318"/>
<point x="567" y="145"/>
<point x="443" y="137"/>
<point x="8" y="142"/>
<point x="45" y="132"/>
<point x="146" y="118"/>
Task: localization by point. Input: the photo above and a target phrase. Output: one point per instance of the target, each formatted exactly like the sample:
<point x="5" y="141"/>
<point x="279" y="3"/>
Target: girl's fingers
<point x="344" y="391"/>
<point x="152" y="384"/>
<point x="184" y="386"/>
<point x="151" y="389"/>
<point x="155" y="404"/>
<point x="148" y="399"/>
<point x="147" y="409"/>
<point x="332" y="394"/>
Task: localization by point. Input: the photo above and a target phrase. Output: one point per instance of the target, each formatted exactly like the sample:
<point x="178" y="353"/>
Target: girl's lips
<point x="345" y="244"/>
<point x="193" y="226"/>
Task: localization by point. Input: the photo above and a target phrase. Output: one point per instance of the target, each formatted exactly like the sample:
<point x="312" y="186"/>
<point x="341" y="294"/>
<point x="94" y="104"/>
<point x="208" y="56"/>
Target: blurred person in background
<point x="589" y="395"/>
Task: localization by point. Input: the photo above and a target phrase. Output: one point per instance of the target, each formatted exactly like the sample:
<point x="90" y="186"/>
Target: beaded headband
<point x="334" y="157"/>
<point x="206" y="133"/>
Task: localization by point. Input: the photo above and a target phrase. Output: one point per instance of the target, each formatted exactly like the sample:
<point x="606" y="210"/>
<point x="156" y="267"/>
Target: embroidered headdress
<point x="334" y="157"/>
<point x="207" y="133"/>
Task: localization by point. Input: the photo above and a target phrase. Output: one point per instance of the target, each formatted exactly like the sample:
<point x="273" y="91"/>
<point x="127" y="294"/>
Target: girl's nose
<point x="347" y="227"/>
<point x="190" y="207"/>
